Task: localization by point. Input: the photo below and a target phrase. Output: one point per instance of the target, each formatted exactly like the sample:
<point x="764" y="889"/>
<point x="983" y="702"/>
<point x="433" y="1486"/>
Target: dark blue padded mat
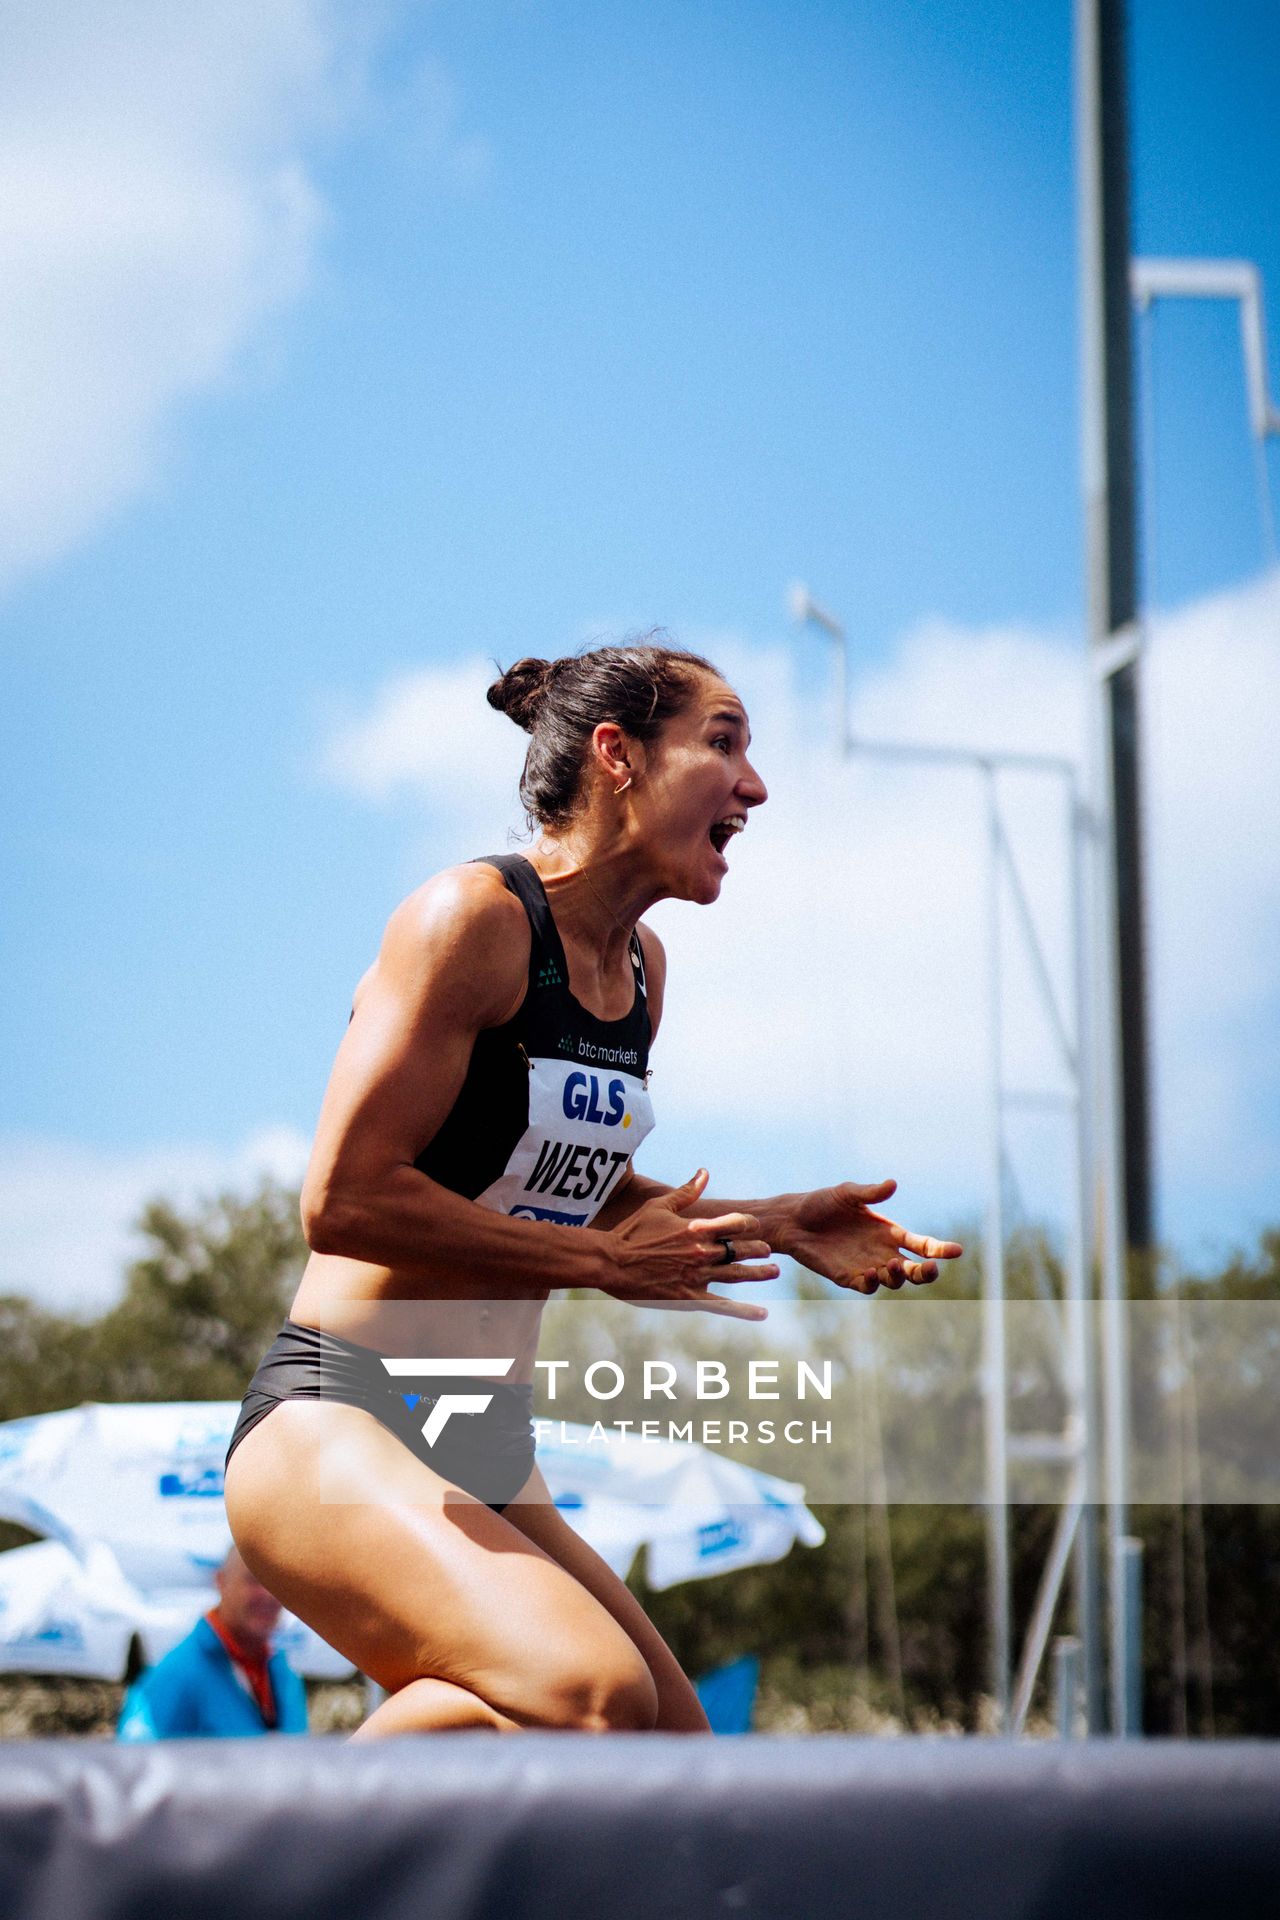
<point x="636" y="1827"/>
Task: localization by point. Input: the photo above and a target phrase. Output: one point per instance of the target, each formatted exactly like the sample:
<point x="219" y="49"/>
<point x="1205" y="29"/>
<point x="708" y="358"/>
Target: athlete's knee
<point x="429" y="1705"/>
<point x="631" y="1705"/>
<point x="615" y="1695"/>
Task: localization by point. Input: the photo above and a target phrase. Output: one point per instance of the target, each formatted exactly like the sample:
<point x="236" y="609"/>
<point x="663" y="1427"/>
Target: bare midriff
<point x="392" y="1313"/>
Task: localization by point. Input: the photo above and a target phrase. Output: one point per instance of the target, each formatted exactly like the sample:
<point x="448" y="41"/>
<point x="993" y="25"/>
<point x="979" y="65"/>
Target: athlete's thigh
<point x="536" y="1516"/>
<point x="419" y="1585"/>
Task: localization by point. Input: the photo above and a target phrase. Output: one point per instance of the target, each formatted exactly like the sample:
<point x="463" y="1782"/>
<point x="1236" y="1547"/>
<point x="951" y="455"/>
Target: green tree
<point x="201" y="1304"/>
<point x="205" y="1299"/>
<point x="47" y="1360"/>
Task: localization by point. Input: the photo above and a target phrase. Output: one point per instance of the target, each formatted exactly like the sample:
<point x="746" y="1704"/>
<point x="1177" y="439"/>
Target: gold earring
<point x="626" y="783"/>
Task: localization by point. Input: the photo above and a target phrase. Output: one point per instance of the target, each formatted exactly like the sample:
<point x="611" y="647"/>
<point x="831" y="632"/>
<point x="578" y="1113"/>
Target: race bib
<point x="584" y="1125"/>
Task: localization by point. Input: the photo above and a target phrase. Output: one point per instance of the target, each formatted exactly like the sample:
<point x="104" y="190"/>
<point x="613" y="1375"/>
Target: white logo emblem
<point x="434" y="1424"/>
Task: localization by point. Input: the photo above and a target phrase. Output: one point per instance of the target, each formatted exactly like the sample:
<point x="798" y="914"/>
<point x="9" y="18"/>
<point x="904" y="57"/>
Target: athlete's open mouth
<point x="723" y="830"/>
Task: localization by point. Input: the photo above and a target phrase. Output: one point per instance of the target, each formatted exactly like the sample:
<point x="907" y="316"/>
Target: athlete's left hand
<point x="833" y="1232"/>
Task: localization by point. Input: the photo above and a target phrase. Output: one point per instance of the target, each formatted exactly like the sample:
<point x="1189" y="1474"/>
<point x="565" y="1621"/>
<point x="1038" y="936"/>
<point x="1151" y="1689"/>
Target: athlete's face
<point x="698" y="789"/>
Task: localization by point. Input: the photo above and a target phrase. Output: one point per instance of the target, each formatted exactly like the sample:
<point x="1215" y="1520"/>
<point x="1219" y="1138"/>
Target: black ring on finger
<point x="730" y="1251"/>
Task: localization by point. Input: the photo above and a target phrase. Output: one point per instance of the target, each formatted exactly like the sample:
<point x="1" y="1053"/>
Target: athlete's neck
<point x="595" y="892"/>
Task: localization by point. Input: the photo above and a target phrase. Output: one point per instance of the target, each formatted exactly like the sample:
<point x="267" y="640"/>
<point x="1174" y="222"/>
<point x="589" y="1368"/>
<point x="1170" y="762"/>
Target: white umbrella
<point x="131" y="1496"/>
<point x="55" y="1617"/>
<point x="144" y="1483"/>
<point x="694" y="1513"/>
<point x="146" y="1479"/>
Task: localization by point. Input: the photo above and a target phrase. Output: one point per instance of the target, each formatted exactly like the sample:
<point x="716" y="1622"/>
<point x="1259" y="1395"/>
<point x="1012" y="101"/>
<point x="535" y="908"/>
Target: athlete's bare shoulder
<point x="461" y="938"/>
<point x="655" y="973"/>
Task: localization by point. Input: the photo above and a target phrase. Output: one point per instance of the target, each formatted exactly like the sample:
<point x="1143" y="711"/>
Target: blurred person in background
<point x="223" y="1678"/>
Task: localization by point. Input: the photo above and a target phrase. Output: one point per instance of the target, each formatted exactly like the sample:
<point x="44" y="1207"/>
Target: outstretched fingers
<point x="740" y="1271"/>
<point x="921" y="1272"/>
<point x="921" y="1243"/>
<point x="739" y="1235"/>
<point x="730" y="1309"/>
<point x="739" y="1230"/>
<point x="728" y="1226"/>
<point x="866" y="1283"/>
<point x="700" y="1302"/>
<point x="713" y="1251"/>
<point x="855" y="1194"/>
<point x="894" y="1274"/>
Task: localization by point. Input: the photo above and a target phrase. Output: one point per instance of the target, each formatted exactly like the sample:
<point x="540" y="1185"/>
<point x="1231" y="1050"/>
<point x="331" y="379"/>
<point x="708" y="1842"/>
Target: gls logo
<point x="582" y="1100"/>
<point x="446" y="1403"/>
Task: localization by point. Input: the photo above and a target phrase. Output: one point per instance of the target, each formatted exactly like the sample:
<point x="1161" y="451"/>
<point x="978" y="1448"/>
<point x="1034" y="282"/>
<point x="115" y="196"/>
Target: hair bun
<point x="521" y="690"/>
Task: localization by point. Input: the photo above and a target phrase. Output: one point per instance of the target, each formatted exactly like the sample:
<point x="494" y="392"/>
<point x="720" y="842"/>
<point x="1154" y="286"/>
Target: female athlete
<point x="483" y="1110"/>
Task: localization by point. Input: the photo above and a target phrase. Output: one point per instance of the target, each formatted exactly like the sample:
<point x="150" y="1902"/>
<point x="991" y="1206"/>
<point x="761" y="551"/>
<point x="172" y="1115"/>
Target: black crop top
<point x="554" y="1103"/>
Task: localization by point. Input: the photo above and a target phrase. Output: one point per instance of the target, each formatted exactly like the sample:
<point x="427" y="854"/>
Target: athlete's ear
<point x="615" y="752"/>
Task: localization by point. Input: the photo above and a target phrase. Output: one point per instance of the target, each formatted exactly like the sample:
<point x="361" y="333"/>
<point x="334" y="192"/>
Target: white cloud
<point x="154" y="206"/>
<point x="430" y="733"/>
<point x="68" y="1210"/>
<point x="429" y="737"/>
<point x="833" y="1006"/>
<point x="1213" y="694"/>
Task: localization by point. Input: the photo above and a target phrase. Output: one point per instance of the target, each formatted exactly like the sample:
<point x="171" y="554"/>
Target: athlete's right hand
<point x="666" y="1259"/>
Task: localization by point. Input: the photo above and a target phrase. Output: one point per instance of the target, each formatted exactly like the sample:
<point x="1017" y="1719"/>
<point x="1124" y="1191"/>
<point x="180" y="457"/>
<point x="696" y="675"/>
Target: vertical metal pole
<point x="1109" y="492"/>
<point x="842" y="684"/>
<point x="1112" y="1329"/>
<point x="1110" y="488"/>
<point x="1130" y="1570"/>
<point x="1081" y="1315"/>
<point x="993" y="1327"/>
<point x="1066" y="1684"/>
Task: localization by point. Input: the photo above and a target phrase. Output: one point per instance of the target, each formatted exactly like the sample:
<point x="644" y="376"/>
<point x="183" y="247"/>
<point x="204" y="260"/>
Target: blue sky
<point x="360" y="343"/>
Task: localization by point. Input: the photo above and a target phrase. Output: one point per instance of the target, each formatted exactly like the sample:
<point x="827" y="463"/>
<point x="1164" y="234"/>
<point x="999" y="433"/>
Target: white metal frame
<point x="1076" y="1444"/>
<point x="1161" y="279"/>
<point x="1093" y="1070"/>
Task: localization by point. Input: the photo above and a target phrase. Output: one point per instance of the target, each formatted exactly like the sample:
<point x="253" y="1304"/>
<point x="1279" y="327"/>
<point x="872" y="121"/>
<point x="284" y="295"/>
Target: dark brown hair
<point x="561" y="703"/>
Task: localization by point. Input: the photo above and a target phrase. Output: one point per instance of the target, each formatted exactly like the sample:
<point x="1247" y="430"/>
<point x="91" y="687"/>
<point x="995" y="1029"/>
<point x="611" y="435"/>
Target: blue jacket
<point x="195" y="1690"/>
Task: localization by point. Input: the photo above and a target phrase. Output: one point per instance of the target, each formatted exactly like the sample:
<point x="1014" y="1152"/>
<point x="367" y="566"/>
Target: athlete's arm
<point x="453" y="962"/>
